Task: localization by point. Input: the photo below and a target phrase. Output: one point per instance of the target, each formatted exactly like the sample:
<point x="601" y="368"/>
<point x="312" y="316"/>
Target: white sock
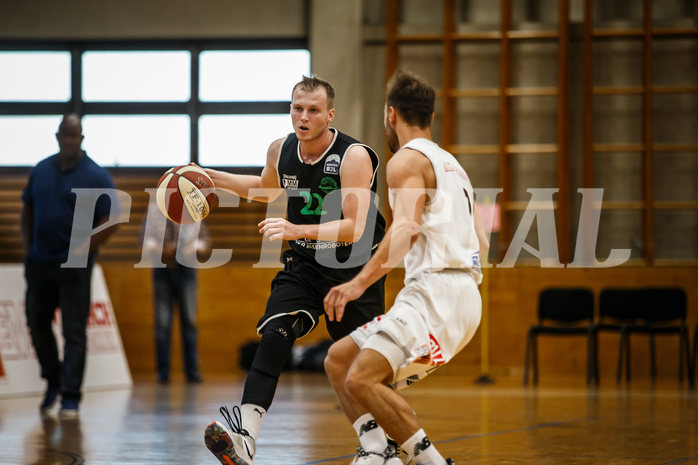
<point x="371" y="436"/>
<point x="252" y="418"/>
<point x="421" y="450"/>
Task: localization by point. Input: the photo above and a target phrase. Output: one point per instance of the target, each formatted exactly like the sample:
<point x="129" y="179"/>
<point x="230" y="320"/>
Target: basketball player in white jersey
<point x="437" y="231"/>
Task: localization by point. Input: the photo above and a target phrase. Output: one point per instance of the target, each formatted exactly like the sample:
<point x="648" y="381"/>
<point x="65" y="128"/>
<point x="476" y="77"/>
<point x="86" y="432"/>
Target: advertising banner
<point x="106" y="368"/>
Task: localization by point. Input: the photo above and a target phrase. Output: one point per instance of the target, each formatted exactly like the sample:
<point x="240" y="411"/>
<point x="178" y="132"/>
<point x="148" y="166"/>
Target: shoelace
<point x="396" y="450"/>
<point x="389" y="453"/>
<point x="235" y="424"/>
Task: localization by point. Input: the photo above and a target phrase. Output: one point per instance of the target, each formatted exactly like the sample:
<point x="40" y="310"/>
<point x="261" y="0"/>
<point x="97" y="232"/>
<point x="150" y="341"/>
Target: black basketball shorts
<point x="300" y="288"/>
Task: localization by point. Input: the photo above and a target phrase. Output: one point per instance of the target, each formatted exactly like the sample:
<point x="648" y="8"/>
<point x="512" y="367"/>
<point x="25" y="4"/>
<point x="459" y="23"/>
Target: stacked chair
<point x="650" y="311"/>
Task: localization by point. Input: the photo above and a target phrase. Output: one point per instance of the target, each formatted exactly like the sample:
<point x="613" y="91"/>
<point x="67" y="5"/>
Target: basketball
<point x="185" y="194"/>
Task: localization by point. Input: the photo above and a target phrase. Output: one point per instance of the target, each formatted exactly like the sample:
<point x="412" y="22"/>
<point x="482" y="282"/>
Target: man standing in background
<point x="174" y="281"/>
<point x="47" y="227"/>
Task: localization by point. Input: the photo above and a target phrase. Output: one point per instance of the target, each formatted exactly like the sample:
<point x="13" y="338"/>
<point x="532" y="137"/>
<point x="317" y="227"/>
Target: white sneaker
<point x="245" y="446"/>
<point x="400" y="456"/>
<point x="393" y="461"/>
<point x="230" y="447"/>
<point x="367" y="458"/>
<point x="388" y="457"/>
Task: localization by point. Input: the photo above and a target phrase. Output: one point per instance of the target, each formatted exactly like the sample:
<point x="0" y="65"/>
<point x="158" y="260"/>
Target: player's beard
<point x="391" y="135"/>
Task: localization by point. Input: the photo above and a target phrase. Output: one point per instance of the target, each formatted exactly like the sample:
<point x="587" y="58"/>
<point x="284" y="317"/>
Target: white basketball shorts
<point x="433" y="318"/>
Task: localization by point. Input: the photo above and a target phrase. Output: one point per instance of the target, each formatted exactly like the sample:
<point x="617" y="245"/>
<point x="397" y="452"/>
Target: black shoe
<point x="49" y="400"/>
<point x="450" y="462"/>
<point x="69" y="409"/>
<point x="163" y="379"/>
<point x="194" y="379"/>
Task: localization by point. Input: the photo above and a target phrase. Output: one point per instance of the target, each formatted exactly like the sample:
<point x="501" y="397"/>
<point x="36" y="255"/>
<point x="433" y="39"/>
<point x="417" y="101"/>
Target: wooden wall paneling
<point x="588" y="98"/>
<point x="11" y="187"/>
<point x="513" y="298"/>
<point x="505" y="137"/>
<point x="647" y="137"/>
<point x="392" y="15"/>
<point x="233" y="296"/>
<point x="564" y="180"/>
<point x="449" y="75"/>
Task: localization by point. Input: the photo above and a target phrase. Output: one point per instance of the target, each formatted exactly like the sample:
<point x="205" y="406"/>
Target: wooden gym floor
<point x="559" y="422"/>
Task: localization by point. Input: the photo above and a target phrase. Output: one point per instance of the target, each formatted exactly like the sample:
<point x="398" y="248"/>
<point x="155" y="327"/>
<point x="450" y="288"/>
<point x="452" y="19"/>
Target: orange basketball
<point x="185" y="194"/>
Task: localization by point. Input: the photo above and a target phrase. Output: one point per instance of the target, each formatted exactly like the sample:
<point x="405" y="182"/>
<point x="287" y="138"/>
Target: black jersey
<point x="314" y="197"/>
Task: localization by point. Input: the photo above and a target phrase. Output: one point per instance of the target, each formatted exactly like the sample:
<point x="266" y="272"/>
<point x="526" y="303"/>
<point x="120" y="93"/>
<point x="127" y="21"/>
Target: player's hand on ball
<point x="185" y="194"/>
<point x="278" y="228"/>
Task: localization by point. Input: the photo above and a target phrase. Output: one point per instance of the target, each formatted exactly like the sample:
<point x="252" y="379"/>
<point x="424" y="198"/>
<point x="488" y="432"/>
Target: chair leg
<point x="627" y="358"/>
<point x="534" y="352"/>
<point x="596" y="358"/>
<point x="684" y="352"/>
<point x="621" y="349"/>
<point x="693" y="364"/>
<point x="653" y="361"/>
<point x="680" y="356"/>
<point x="527" y="358"/>
<point x="591" y="360"/>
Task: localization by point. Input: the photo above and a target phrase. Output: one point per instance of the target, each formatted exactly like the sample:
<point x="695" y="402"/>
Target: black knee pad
<point x="275" y="346"/>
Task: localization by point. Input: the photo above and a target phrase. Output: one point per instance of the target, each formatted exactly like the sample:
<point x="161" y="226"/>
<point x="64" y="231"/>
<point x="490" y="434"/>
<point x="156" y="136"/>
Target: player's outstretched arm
<point x="264" y="188"/>
<point x="405" y="177"/>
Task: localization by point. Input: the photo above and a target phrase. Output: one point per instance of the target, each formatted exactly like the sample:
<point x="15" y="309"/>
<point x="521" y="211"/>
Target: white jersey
<point x="448" y="240"/>
<point x="438" y="311"/>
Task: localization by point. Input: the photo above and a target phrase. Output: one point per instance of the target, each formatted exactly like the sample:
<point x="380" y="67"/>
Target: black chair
<point x="661" y="311"/>
<point x="618" y="307"/>
<point x="562" y="312"/>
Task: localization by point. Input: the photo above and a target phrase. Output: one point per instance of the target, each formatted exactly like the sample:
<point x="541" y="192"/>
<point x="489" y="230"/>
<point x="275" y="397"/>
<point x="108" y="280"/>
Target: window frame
<point x="194" y="108"/>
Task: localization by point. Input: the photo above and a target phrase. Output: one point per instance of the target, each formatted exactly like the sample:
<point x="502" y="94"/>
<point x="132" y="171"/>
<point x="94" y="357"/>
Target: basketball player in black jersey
<point x="333" y="226"/>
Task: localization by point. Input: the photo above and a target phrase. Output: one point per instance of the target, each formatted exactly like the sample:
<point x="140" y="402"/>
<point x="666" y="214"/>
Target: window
<point x="35" y="76"/>
<point x="239" y="140"/>
<point x="136" y="76"/>
<point x="26" y="140"/>
<point x="153" y="104"/>
<point x="132" y="140"/>
<point x="246" y="76"/>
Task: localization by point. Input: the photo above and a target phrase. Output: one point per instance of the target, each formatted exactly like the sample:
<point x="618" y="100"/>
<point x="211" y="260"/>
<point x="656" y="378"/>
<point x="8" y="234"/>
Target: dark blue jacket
<point x="49" y="193"/>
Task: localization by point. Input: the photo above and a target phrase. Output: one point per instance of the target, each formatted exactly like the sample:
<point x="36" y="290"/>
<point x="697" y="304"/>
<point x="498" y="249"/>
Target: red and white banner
<point x="19" y="369"/>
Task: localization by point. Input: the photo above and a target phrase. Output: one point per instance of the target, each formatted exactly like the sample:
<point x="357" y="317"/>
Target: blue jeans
<point x="49" y="286"/>
<point x="172" y="285"/>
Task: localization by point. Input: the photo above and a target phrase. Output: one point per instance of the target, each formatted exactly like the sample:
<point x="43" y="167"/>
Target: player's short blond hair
<point x="312" y="83"/>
